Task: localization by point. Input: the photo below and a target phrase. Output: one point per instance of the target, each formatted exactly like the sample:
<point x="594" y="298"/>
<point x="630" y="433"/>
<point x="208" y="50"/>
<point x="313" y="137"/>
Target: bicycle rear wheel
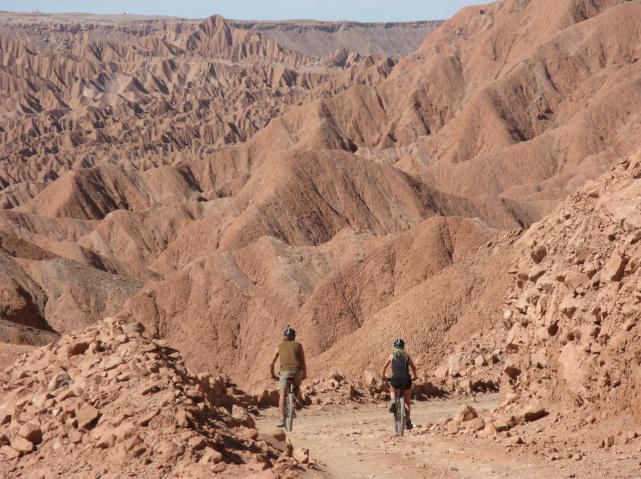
<point x="289" y="408"/>
<point x="401" y="414"/>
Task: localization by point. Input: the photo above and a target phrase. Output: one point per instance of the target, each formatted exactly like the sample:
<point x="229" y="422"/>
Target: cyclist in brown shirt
<point x="292" y="365"/>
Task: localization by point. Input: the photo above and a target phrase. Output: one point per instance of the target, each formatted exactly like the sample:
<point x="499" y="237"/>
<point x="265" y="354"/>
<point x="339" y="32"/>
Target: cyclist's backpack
<point x="400" y="364"/>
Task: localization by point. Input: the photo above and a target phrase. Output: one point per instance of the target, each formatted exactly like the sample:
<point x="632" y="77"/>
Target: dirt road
<point x="356" y="442"/>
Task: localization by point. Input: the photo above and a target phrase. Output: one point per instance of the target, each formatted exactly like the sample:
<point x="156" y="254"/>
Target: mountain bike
<point x="290" y="405"/>
<point x="399" y="410"/>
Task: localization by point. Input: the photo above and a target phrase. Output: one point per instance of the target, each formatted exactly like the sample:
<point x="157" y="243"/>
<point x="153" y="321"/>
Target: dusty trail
<point x="356" y="442"/>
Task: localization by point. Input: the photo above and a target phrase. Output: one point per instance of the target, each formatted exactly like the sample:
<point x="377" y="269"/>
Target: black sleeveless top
<point x="400" y="365"/>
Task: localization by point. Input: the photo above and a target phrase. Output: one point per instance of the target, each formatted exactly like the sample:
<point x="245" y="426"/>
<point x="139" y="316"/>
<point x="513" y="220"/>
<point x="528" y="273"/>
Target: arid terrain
<point x="469" y="185"/>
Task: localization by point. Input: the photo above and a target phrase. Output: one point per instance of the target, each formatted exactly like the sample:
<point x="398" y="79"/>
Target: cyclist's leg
<point x="281" y="402"/>
<point x="408" y="399"/>
<point x="392" y="392"/>
<point x="298" y="379"/>
<point x="282" y="393"/>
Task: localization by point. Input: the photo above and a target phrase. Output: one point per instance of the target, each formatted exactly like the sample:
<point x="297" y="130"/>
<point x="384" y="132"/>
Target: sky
<point x="359" y="10"/>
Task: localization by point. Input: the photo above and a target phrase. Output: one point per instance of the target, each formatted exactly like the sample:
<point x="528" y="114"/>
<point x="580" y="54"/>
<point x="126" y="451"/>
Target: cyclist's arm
<point x="271" y="366"/>
<point x="412" y="366"/>
<point x="387" y="363"/>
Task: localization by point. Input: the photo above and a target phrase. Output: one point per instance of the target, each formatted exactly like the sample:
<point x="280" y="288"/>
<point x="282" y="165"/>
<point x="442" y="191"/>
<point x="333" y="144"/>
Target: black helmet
<point x="289" y="333"/>
<point x="399" y="343"/>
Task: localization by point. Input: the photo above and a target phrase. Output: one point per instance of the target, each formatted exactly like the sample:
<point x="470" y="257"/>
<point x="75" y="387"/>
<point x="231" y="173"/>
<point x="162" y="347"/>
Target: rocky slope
<point x="576" y="303"/>
<point x="564" y="350"/>
<point x="106" y="401"/>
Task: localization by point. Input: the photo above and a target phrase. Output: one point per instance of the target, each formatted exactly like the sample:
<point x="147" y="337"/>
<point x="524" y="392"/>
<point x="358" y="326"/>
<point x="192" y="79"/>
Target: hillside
<point x="365" y="202"/>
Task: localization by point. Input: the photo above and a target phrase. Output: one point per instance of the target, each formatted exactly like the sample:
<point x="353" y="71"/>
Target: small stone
<point x="476" y="424"/>
<point x="9" y="452"/>
<point x="243" y="416"/>
<point x="87" y="416"/>
<point x="614" y="268"/>
<point x="568" y="306"/>
<point x="22" y="445"/>
<point x="301" y="455"/>
<point x="74" y="348"/>
<point x="6" y="415"/>
<point x="197" y="443"/>
<point x="535" y="273"/>
<point x="111" y="363"/>
<point x="31" y="432"/>
<point x="480" y="361"/>
<point x="211" y="456"/>
<point x="534" y="411"/>
<point x="516" y="441"/>
<point x="74" y="436"/>
<point x="58" y="381"/>
<point x="145" y="420"/>
<point x="629" y="323"/>
<point x="512" y="370"/>
<point x="106" y="439"/>
<point x="538" y="253"/>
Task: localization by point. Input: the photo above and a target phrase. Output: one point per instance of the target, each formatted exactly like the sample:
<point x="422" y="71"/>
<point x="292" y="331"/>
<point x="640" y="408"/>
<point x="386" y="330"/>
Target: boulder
<point x="465" y="413"/>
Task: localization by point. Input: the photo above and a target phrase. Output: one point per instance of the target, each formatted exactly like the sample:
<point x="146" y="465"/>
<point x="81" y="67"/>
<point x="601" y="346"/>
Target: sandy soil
<point x="357" y="442"/>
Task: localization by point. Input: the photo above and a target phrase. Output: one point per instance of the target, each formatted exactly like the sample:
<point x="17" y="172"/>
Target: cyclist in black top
<point x="401" y="362"/>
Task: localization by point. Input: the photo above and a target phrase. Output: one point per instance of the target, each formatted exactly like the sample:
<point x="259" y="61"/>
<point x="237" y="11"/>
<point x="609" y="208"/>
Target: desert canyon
<point x="174" y="193"/>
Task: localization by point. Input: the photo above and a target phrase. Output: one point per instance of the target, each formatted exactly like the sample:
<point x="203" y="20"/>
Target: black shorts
<point x="401" y="383"/>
